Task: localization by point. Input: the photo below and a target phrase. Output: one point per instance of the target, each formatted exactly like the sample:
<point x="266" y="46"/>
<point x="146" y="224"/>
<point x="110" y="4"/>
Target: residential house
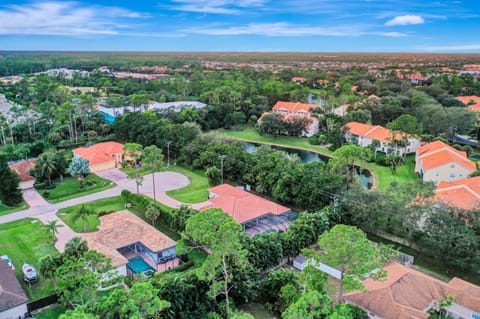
<point x="299" y="80"/>
<point x="409" y="294"/>
<point x="464" y="193"/>
<point x="437" y="162"/>
<point x="472" y="102"/>
<point x="254" y="213"/>
<point x="290" y="110"/>
<point x="132" y="245"/>
<point x="13" y="300"/>
<point x="23" y="169"/>
<point x="365" y="134"/>
<point x="101" y="156"/>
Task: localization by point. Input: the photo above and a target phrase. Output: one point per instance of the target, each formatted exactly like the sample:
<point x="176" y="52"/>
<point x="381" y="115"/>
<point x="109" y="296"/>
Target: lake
<point x="308" y="157"/>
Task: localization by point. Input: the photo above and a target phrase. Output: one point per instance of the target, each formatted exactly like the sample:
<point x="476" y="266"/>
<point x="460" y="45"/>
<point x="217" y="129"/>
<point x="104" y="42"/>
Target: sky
<point x="242" y="25"/>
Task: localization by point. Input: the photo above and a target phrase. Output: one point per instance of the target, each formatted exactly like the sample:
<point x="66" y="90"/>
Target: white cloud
<point x="459" y="47"/>
<point x="405" y="20"/>
<point x="288" y="30"/>
<point x="63" y="18"/>
<point x="216" y="6"/>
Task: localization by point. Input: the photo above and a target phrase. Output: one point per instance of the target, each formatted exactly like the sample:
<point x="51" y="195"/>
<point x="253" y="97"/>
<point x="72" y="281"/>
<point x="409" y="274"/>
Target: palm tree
<point x="82" y="213"/>
<point x="53" y="227"/>
<point x="76" y="247"/>
<point x="48" y="265"/>
<point x="46" y="166"/>
<point x="152" y="213"/>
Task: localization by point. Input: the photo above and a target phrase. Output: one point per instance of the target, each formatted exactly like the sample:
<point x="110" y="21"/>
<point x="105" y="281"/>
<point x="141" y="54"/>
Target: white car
<point x="9" y="261"/>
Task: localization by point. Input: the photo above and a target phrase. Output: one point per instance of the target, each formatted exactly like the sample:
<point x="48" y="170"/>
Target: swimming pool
<point x="137" y="265"/>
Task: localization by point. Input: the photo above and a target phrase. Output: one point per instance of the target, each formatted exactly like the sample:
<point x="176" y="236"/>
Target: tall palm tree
<point x="53" y="227"/>
<point x="82" y="213"/>
<point x="46" y="166"/>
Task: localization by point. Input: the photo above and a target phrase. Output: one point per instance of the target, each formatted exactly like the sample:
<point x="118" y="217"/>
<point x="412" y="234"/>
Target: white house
<point x="364" y="135"/>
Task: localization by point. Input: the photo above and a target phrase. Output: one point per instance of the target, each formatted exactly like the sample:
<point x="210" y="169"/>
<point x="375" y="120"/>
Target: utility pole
<point x="168" y="153"/>
<point x="222" y="157"/>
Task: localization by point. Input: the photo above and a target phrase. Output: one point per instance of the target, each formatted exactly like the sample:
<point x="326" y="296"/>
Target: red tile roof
<point x="472" y="102"/>
<point x="298" y="79"/>
<point x="407" y="292"/>
<point x="22" y="168"/>
<point x="241" y="205"/>
<point x="374" y="132"/>
<point x="293" y="107"/>
<point x="463" y="193"/>
<point x="438" y="153"/>
<point x="100" y="153"/>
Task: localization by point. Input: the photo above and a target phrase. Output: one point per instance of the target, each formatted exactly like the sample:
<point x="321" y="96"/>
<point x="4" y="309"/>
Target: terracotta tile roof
<point x="293" y="106"/>
<point x="241" y="205"/>
<point x="11" y="293"/>
<point x="438" y="153"/>
<point x="374" y="132"/>
<point x="99" y="153"/>
<point x="472" y="102"/>
<point x="298" y="79"/>
<point x="407" y="292"/>
<point x="121" y="229"/>
<point x="22" y="168"/>
<point x="463" y="193"/>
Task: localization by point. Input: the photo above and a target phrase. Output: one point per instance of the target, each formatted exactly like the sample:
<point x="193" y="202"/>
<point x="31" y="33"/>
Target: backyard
<point x="257" y="310"/>
<point x="27" y="241"/>
<point x="70" y="188"/>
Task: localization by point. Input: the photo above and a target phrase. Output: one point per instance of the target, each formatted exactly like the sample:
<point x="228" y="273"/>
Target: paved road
<point x="46" y="212"/>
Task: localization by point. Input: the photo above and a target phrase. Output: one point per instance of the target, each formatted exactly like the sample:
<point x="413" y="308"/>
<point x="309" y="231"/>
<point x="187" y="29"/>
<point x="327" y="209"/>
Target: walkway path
<point x="46" y="212"/>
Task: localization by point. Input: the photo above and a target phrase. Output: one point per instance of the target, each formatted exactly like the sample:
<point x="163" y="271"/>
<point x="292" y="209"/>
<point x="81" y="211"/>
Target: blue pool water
<point x="137" y="265"/>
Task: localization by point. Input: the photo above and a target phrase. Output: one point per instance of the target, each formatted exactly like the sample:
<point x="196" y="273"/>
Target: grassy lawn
<point x="405" y="173"/>
<point x="52" y="312"/>
<point x="257" y="310"/>
<point x="4" y="210"/>
<point x="70" y="188"/>
<point x="27" y="241"/>
<point x="252" y="135"/>
<point x="196" y="191"/>
<point x="194" y="254"/>
<point x="109" y="204"/>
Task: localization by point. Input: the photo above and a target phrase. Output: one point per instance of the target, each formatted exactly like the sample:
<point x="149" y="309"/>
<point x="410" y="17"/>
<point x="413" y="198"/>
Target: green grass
<point x="194" y="254"/>
<point x="405" y="173"/>
<point x="257" y="310"/>
<point x="252" y="135"/>
<point x="109" y="204"/>
<point x="52" y="312"/>
<point x="70" y="188"/>
<point x="4" y="210"/>
<point x="384" y="177"/>
<point x="27" y="241"/>
<point x="196" y="191"/>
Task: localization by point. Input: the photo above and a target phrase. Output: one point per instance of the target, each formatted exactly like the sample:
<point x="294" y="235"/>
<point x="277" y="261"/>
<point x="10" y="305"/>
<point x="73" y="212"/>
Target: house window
<point x="452" y="166"/>
<point x="452" y="175"/>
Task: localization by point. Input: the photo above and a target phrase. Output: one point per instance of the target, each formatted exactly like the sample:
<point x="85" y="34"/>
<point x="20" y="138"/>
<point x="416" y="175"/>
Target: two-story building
<point x="387" y="141"/>
<point x="292" y="110"/>
<point x="438" y="162"/>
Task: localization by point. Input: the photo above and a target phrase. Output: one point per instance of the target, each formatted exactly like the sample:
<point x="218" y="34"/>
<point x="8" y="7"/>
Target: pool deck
<point x="160" y="267"/>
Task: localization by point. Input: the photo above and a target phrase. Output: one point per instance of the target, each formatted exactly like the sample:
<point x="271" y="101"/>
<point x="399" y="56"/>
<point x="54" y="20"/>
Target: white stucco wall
<point x="15" y="312"/>
<point x="449" y="172"/>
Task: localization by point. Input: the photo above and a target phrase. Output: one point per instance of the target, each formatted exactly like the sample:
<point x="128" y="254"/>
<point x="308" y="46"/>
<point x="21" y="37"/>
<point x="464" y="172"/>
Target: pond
<point x="308" y="157"/>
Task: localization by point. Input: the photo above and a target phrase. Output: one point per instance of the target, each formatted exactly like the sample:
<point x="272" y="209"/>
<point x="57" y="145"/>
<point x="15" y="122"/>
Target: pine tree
<point x="10" y="193"/>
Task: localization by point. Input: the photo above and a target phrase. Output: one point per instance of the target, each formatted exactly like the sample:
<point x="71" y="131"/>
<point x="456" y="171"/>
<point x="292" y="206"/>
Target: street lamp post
<point x="168" y="153"/>
<point x="222" y="157"/>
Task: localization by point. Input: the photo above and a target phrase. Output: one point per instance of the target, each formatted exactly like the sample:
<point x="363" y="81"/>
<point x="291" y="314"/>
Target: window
<point x="452" y="175"/>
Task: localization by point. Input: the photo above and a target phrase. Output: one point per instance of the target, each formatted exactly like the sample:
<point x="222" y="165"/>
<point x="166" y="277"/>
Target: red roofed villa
<point x="23" y="168"/>
<point x="472" y="102"/>
<point x="409" y="294"/>
<point x="254" y="213"/>
<point x="437" y="162"/>
<point x="364" y="134"/>
<point x="101" y="156"/>
<point x="464" y="193"/>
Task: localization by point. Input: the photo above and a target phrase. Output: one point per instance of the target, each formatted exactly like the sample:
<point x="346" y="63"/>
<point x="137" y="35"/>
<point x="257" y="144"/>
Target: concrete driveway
<point x="114" y="174"/>
<point x="33" y="198"/>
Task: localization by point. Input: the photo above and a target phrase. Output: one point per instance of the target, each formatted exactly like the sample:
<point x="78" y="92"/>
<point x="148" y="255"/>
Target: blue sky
<point x="242" y="25"/>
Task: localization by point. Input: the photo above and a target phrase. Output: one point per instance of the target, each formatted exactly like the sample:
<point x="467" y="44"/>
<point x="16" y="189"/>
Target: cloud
<point x="63" y="18"/>
<point x="405" y="20"/>
<point x="459" y="47"/>
<point x="215" y="6"/>
<point x="287" y="30"/>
